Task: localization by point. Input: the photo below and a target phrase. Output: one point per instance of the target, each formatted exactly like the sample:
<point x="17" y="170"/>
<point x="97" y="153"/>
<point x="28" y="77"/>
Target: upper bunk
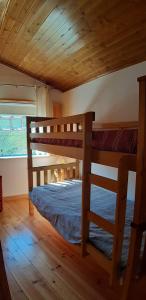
<point x="74" y="135"/>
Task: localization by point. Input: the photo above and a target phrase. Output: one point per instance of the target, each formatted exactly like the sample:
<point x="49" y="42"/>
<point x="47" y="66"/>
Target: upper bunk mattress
<point x="60" y="204"/>
<point x="123" y="140"/>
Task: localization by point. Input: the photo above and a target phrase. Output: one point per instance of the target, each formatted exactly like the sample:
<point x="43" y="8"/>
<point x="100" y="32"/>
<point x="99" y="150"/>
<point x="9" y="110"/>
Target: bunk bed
<point x="80" y="138"/>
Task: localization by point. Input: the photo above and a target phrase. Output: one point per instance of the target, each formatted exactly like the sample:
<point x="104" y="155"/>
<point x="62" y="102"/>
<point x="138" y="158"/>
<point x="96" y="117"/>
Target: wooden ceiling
<point x="69" y="42"/>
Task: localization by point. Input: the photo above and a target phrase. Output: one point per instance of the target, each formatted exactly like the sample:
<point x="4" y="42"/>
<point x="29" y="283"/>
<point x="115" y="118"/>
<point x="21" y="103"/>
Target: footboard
<point x="53" y="173"/>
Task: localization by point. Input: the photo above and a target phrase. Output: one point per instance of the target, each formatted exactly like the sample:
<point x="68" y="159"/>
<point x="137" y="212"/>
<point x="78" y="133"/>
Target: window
<point x="13" y="140"/>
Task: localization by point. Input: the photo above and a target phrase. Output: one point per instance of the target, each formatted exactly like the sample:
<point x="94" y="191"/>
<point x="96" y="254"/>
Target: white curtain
<point x="43" y="102"/>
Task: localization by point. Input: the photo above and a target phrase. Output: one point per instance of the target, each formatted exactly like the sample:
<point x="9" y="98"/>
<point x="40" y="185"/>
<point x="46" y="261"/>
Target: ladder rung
<point x="101" y="222"/>
<point x="106" y="183"/>
<point x="140" y="226"/>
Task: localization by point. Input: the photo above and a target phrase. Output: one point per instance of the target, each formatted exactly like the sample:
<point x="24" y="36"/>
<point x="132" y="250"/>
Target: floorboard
<point x="41" y="265"/>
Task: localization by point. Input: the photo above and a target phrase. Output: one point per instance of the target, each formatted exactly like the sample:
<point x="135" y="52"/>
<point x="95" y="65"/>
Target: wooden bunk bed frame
<point x="80" y="127"/>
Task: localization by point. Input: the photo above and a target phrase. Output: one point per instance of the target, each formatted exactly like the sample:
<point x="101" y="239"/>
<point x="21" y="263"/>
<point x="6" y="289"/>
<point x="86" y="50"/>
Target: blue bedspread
<point x="60" y="203"/>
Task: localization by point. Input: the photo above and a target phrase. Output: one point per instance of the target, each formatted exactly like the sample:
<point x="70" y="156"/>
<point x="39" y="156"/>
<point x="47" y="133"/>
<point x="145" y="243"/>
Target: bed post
<point x="86" y="185"/>
<point x="139" y="219"/>
<point x="29" y="166"/>
<point x="120" y="213"/>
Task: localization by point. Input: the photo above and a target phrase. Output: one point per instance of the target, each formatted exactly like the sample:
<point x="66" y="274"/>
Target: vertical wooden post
<point x="38" y="178"/>
<point x="143" y="261"/>
<point x="45" y="171"/>
<point x="59" y="174"/>
<point x="71" y="173"/>
<point x="87" y="147"/>
<point x="65" y="173"/>
<point x="71" y="128"/>
<point x="45" y="177"/>
<point x="65" y="128"/>
<point x="62" y="174"/>
<point x="77" y="171"/>
<point x="140" y="207"/>
<point x="29" y="165"/>
<point x="119" y="218"/>
<point x="53" y="176"/>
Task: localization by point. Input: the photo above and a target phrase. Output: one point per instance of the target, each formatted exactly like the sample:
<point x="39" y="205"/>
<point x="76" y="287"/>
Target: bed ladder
<point x="138" y="226"/>
<point x="119" y="186"/>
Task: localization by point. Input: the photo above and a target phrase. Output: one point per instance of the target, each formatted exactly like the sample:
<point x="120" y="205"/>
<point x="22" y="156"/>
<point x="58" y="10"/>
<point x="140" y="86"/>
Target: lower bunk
<point x="58" y="197"/>
<point x="60" y="203"/>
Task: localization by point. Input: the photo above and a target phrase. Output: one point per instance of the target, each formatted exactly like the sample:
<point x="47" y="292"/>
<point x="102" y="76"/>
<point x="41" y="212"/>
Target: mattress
<point x="60" y="204"/>
<point x="123" y="140"/>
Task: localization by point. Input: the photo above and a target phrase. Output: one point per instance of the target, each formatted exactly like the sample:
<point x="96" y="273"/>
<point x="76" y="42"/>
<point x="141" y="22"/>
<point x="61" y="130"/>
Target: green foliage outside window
<point x="12" y="135"/>
<point x="13" y="141"/>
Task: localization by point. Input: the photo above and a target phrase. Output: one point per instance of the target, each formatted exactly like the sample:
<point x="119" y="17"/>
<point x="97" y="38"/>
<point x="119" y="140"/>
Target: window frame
<point x="13" y="128"/>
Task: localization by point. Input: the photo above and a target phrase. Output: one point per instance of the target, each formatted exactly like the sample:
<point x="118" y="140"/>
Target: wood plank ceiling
<point x="69" y="42"/>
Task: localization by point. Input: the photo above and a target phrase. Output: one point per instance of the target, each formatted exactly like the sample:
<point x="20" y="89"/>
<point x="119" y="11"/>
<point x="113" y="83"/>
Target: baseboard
<point x="15" y="197"/>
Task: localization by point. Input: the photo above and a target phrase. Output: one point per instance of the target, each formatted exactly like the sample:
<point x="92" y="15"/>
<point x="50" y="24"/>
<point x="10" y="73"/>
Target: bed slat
<point x="106" y="183"/>
<point x="53" y="176"/>
<point x="101" y="222"/>
<point x="58" y="135"/>
<point x="65" y="173"/>
<point x="65" y="128"/>
<point x="71" y="173"/>
<point x="38" y="178"/>
<point x="61" y="121"/>
<point x="112" y="159"/>
<point x="115" y="125"/>
<point x="57" y="172"/>
<point x="52" y="167"/>
<point x="71" y="127"/>
<point x="77" y="173"/>
<point x="71" y="152"/>
<point x="45" y="177"/>
<point x="59" y="175"/>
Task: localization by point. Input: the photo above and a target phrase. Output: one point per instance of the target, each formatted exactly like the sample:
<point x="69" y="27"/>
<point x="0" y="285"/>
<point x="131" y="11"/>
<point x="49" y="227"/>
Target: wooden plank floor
<point x="41" y="265"/>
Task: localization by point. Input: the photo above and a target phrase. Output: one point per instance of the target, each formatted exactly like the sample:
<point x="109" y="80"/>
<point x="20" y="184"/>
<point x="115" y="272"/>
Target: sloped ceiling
<point x="69" y="42"/>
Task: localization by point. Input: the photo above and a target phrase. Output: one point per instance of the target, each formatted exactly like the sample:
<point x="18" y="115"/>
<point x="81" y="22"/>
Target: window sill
<point x="19" y="157"/>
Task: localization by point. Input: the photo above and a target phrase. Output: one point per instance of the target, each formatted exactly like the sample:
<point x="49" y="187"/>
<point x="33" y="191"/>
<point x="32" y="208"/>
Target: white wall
<point x="9" y="76"/>
<point x="24" y="88"/>
<point x="14" y="170"/>
<point x="56" y="95"/>
<point x="113" y="97"/>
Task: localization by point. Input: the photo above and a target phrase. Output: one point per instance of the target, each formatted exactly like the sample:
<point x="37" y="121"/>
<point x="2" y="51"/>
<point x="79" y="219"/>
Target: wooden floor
<point x="41" y="265"/>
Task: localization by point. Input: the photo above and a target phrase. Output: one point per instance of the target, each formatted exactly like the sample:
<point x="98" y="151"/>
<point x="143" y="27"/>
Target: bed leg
<point x="31" y="208"/>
